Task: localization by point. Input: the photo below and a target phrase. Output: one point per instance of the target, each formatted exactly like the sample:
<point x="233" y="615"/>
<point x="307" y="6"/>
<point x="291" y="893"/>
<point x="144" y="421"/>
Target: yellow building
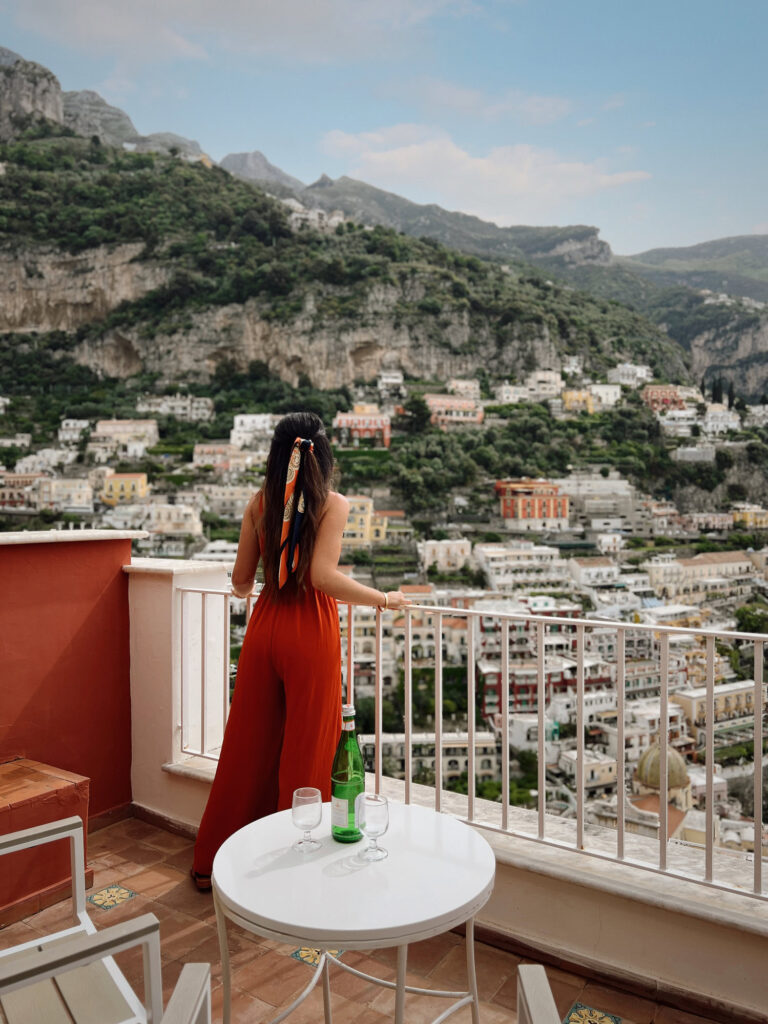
<point x="752" y="517"/>
<point x="578" y="400"/>
<point x="734" y="711"/>
<point x="364" y="525"/>
<point x="124" y="488"/>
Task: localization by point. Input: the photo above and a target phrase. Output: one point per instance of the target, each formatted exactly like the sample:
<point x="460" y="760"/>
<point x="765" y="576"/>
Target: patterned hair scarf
<point x="293" y="513"/>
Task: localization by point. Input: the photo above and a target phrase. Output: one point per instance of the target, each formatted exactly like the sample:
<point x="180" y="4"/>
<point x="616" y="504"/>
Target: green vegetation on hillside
<point x="227" y="242"/>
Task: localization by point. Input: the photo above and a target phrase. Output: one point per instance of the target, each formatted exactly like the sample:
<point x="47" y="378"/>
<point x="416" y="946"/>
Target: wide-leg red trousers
<point x="285" y="719"/>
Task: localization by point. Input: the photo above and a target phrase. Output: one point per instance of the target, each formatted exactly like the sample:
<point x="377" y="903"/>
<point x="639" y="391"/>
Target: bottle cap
<point x="347" y="710"/>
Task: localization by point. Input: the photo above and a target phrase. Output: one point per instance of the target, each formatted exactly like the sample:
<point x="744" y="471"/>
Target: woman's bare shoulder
<point x="336" y="502"/>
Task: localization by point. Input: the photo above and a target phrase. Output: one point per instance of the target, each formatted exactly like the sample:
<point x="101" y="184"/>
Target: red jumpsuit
<point x="285" y="718"/>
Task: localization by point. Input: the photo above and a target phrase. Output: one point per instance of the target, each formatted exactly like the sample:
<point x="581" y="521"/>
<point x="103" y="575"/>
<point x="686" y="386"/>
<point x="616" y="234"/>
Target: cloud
<point x="760" y="229"/>
<point x="509" y="184"/>
<point x="614" y="102"/>
<point x="437" y="95"/>
<point x="158" y="31"/>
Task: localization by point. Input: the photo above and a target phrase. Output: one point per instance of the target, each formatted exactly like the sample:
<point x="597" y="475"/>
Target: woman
<point x="285" y="718"/>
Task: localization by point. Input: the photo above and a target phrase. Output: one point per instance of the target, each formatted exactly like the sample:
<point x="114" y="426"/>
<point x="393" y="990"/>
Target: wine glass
<point x="372" y="815"/>
<point x="306" y="814"/>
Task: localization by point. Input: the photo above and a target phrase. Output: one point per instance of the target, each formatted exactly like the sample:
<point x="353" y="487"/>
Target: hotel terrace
<point x="116" y="675"/>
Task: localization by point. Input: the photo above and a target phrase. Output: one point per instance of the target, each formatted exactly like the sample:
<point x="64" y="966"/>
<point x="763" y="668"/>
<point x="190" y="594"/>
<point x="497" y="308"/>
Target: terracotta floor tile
<point x="187" y="900"/>
<point x="169" y="842"/>
<point x="179" y="859"/>
<point x="424" y="957"/>
<point x="156" y="880"/>
<point x="274" y="978"/>
<point x="241" y="953"/>
<point x="418" y="1009"/>
<point x="492" y="966"/>
<point x="134" y="828"/>
<point x="15" y="934"/>
<point x="245" y="1007"/>
<point x="566" y="995"/>
<point x="107" y="841"/>
<point x="350" y="987"/>
<point x="615" y="1001"/>
<point x="490" y="1013"/>
<point x="507" y="994"/>
<point x="180" y="934"/>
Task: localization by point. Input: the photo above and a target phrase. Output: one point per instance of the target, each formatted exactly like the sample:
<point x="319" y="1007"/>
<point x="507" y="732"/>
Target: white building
<point x="610" y="543"/>
<point x="159" y="519"/>
<point x="631" y="375"/>
<point x="227" y="501"/>
<point x="719" y="419"/>
<point x="391" y="384"/>
<point x="224" y="551"/>
<point x="64" y="494"/>
<point x="521" y="564"/>
<point x="455" y="754"/>
<point x="563" y="706"/>
<point x="192" y="408"/>
<point x="544" y="384"/>
<point x="599" y="770"/>
<point x="4" y="403"/>
<point x="45" y="459"/>
<point x="605" y="395"/>
<point x="573" y="366"/>
<point x="678" y="422"/>
<point x="17" y="441"/>
<point x="71" y="430"/>
<point x="594" y="572"/>
<point x="642" y="719"/>
<point x="694" y="453"/>
<point x="123" y="431"/>
<point x="446" y="555"/>
<point x="511" y="394"/>
<point x="253" y="429"/>
<point x="464" y="387"/>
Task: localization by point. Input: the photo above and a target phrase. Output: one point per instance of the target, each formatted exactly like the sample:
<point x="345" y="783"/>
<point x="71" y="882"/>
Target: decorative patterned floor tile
<point x="311" y="957"/>
<point x="111" y="896"/>
<point x="581" y="1014"/>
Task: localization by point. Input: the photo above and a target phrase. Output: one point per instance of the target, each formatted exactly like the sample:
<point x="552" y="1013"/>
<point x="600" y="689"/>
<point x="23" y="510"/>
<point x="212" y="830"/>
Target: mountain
<point x="255" y="167"/>
<point x="370" y="205"/>
<point x="28" y="93"/>
<point x="31" y="99"/>
<point x="736" y="266"/>
<point x="87" y="114"/>
<point x="140" y="263"/>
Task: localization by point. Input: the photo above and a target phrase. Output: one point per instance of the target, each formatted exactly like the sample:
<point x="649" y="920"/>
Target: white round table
<point x="438" y="874"/>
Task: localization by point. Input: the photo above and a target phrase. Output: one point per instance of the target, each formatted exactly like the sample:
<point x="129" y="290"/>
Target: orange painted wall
<point x="64" y="661"/>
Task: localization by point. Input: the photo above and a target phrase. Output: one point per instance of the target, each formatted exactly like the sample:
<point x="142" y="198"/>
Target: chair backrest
<point x="535" y="1003"/>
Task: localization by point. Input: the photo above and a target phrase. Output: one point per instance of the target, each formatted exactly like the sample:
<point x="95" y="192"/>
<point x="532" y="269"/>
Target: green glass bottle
<point x="347" y="780"/>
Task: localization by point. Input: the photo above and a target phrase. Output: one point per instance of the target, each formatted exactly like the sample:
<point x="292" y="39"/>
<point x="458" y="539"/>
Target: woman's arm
<point x="248" y="552"/>
<point x="324" y="570"/>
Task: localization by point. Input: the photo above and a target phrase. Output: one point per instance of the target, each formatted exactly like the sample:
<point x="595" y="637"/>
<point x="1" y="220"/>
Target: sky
<point x="647" y="120"/>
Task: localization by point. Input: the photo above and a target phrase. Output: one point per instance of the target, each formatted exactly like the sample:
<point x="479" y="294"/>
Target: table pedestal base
<point x="461" y="999"/>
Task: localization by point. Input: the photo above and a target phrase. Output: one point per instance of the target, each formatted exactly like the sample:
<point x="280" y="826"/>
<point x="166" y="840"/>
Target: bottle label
<point x="348" y="726"/>
<point x="339" y="812"/>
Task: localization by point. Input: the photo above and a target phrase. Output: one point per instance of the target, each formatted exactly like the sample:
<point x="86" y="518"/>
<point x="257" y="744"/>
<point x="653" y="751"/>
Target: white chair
<point x="71" y="975"/>
<point x="535" y="1003"/>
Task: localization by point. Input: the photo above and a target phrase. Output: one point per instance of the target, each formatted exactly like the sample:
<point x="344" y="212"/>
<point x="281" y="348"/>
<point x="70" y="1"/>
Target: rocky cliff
<point x="87" y="114"/>
<point x="28" y="92"/>
<point x="738" y="352"/>
<point x="49" y="290"/>
<point x="330" y="352"/>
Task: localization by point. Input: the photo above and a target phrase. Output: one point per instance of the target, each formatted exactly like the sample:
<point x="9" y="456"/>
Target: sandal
<point x="202" y="882"/>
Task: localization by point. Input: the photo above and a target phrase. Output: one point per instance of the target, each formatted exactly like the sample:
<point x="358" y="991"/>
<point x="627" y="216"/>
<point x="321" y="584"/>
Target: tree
<point x="731" y="395"/>
<point x="419" y="416"/>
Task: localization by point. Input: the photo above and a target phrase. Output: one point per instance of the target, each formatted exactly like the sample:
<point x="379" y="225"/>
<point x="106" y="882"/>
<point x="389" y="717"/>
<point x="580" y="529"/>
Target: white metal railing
<point x="205" y="689"/>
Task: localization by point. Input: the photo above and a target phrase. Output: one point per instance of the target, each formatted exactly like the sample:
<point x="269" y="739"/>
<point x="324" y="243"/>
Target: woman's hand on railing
<point x="396" y="600"/>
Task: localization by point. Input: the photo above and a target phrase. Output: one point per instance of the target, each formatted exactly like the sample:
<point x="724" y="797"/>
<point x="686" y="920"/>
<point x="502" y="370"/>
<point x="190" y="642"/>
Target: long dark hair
<point x="314" y="480"/>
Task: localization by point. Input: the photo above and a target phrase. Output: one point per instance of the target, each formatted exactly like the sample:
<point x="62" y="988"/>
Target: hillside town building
<point x="366" y="423"/>
<point x="527" y="504"/>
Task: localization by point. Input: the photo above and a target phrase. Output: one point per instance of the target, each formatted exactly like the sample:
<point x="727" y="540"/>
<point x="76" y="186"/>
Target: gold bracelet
<point x="386" y="599"/>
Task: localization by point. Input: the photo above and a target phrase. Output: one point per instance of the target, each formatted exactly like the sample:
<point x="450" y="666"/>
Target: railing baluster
<point x="378" y="702"/>
<point x="350" y="654"/>
<point x="408" y="700"/>
<point x="471" y="719"/>
<point x="664" y="754"/>
<point x="504" y="705"/>
<point x="203" y="658"/>
<point x="620" y="751"/>
<point x="757" y="703"/>
<point x="709" y="713"/>
<point x="438" y="710"/>
<point x="541" y="745"/>
<point x="579" y="737"/>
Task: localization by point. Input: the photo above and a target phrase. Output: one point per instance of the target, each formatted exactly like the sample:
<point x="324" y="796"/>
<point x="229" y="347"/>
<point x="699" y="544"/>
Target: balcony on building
<point x="117" y="668"/>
